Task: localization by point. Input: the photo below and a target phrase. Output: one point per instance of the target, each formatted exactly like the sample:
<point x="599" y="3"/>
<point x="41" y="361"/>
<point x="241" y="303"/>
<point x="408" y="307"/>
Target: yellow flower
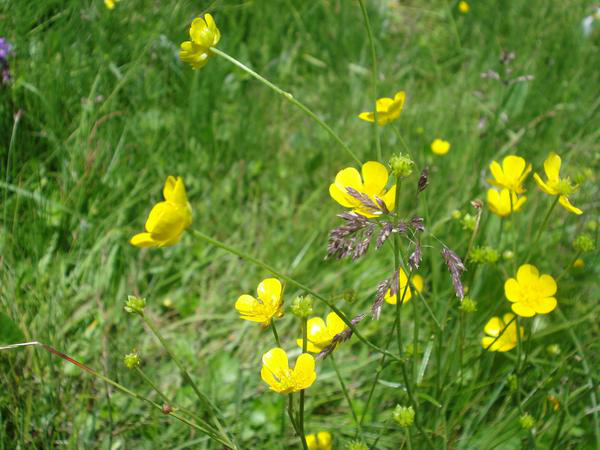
<point x="204" y="34"/>
<point x="267" y="306"/>
<point x="511" y="174"/>
<point x="578" y="263"/>
<point x="110" y="4"/>
<point x="507" y="341"/>
<point x="530" y="293"/>
<point x="463" y="7"/>
<point x="320" y="334"/>
<point x="499" y="202"/>
<point x="440" y="147"/>
<point x="168" y="219"/>
<point x="373" y="182"/>
<point x="555" y="185"/>
<point x="417" y="281"/>
<point x="277" y="374"/>
<point x="388" y="109"/>
<point x="320" y="441"/>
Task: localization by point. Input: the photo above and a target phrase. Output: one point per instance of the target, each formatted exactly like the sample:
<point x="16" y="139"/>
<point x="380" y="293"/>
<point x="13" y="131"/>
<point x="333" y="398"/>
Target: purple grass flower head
<point x="6" y="49"/>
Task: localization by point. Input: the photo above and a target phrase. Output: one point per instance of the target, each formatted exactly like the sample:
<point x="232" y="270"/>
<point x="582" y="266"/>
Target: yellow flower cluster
<point x="388" y="109"/>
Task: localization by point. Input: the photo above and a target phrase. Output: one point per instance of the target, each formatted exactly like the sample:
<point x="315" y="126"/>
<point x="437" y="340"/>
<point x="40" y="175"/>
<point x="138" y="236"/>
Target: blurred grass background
<point x="100" y="111"/>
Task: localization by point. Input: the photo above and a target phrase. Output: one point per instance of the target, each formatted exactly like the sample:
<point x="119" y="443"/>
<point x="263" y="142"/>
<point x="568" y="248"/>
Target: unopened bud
<point x="401" y="165"/>
<point x="484" y="255"/>
<point x="513" y="383"/>
<point x="553" y="349"/>
<point x="592" y="225"/>
<point x="508" y="255"/>
<point x="468" y="305"/>
<point x="135" y="305"/>
<point x="354" y="445"/>
<point x="584" y="243"/>
<point x="302" y="306"/>
<point x="404" y="415"/>
<point x="526" y="421"/>
<point x="131" y="360"/>
<point x="456" y="214"/>
<point x="468" y="222"/>
<point x="578" y="263"/>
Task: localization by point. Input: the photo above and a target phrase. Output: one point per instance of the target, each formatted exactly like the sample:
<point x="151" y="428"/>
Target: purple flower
<point x="6" y="49"/>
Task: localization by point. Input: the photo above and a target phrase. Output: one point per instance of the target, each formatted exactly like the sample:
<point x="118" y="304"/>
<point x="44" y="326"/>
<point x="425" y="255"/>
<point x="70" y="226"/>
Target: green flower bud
<point x="356" y="445"/>
<point x="468" y="222"/>
<point x="456" y="214"/>
<point x="484" y="255"/>
<point x="592" y="225"/>
<point x="131" y="360"/>
<point x="468" y="305"/>
<point x="553" y="349"/>
<point x="584" y="243"/>
<point x="404" y="415"/>
<point x="401" y="165"/>
<point x="508" y="255"/>
<point x="512" y="383"/>
<point x="526" y="421"/>
<point x="135" y="305"/>
<point x="302" y="306"/>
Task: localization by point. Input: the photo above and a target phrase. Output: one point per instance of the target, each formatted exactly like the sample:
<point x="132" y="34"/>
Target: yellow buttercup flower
<point x="320" y="334"/>
<point x="321" y="441"/>
<point x="463" y="7"/>
<point x="417" y="281"/>
<point x="511" y="174"/>
<point x="555" y="185"/>
<point x="167" y="220"/>
<point x="508" y="340"/>
<point x="204" y="34"/>
<point x="530" y="293"/>
<point x="388" y="109"/>
<point x="499" y="202"/>
<point x="373" y="184"/>
<point x="110" y="4"/>
<point x="440" y="147"/>
<point x="277" y="374"/>
<point x="267" y="306"/>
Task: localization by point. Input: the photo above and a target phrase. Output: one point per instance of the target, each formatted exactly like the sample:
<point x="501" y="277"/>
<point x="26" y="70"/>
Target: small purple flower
<point x="6" y="49"/>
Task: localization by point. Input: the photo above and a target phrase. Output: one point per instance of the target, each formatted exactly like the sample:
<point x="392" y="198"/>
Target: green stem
<point x="518" y="365"/>
<point x="542" y="226"/>
<point x="346" y="394"/>
<point x="302" y="392"/>
<point x="293" y="420"/>
<point x="514" y="232"/>
<point x="373" y="78"/>
<point x="275" y="334"/>
<point x="569" y="266"/>
<point x="288" y="96"/>
<point x="299" y="285"/>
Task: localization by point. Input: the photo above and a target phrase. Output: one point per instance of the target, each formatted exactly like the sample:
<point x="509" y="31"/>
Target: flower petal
<point x="545" y="305"/>
<point x="310" y="347"/>
<point x="389" y="198"/>
<point x="317" y="332"/>
<point x="512" y="290"/>
<point x="543" y="186"/>
<point x="367" y="116"/>
<point x="552" y="166"/>
<point x="276" y="360"/>
<point x="383" y="104"/>
<point x="246" y="304"/>
<point x="324" y="439"/>
<point x="564" y="201"/>
<point x="521" y="310"/>
<point x="341" y="197"/>
<point x="488" y="343"/>
<point x="527" y="275"/>
<point x="375" y="177"/>
<point x="143" y="240"/>
<point x="304" y="371"/>
<point x="349" y="177"/>
<point x="269" y="291"/>
<point x="493" y="327"/>
<point x="335" y="324"/>
<point x="513" y="167"/>
<point x="165" y="221"/>
<point x="169" y="188"/>
<point x="497" y="173"/>
<point x="547" y="286"/>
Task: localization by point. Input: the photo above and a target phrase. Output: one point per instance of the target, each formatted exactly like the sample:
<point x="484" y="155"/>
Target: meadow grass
<point x="99" y="112"/>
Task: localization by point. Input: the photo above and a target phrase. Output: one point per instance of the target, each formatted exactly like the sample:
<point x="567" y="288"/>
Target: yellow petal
<point x="169" y="188"/>
<point x="367" y="116"/>
<point x="506" y="318"/>
<point x="212" y="26"/>
<point x="440" y="147"/>
<point x="304" y="371"/>
<point x="543" y="186"/>
<point x="494" y="203"/>
<point x="335" y="324"/>
<point x="552" y="166"/>
<point x="547" y="286"/>
<point x="375" y="177"/>
<point x="310" y="347"/>
<point x="268" y="377"/>
<point x="488" y="344"/>
<point x="389" y="198"/>
<point x="317" y="332"/>
<point x="349" y="177"/>
<point x="418" y="282"/>
<point x="324" y="439"/>
<point x="564" y="201"/>
<point x="143" y="240"/>
<point x="545" y="305"/>
<point x="513" y="166"/>
<point x="527" y="275"/>
<point x="246" y="305"/>
<point x="165" y="222"/>
<point x="341" y="197"/>
<point x="276" y="360"/>
<point x="383" y="104"/>
<point x="493" y="327"/>
<point x="311" y="442"/>
<point x="179" y="195"/>
<point x="269" y="291"/>
<point x="497" y="173"/>
<point x="521" y="310"/>
<point x="512" y="290"/>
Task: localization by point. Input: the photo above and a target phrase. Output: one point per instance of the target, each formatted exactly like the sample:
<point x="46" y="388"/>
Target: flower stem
<point x="299" y="285"/>
<point x="542" y="226"/>
<point x="569" y="266"/>
<point x="293" y="420"/>
<point x="373" y="78"/>
<point x="346" y="394"/>
<point x="288" y="96"/>
<point x="275" y="334"/>
<point x="302" y="392"/>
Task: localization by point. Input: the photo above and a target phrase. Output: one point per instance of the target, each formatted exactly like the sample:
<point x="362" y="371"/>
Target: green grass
<point x="106" y="111"/>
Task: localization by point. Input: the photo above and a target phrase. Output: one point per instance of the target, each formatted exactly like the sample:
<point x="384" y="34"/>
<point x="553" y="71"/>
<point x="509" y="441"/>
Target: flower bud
<point x="508" y="255"/>
<point x="401" y="165"/>
<point x="512" y="382"/>
<point x="135" y="305"/>
<point x="456" y="214"/>
<point x="468" y="305"/>
<point x="131" y="360"/>
<point x="553" y="349"/>
<point x="468" y="222"/>
<point x="484" y="255"/>
<point x="404" y="415"/>
<point x="302" y="306"/>
<point x="592" y="225"/>
<point x="584" y="243"/>
<point x="355" y="445"/>
<point x="527" y="422"/>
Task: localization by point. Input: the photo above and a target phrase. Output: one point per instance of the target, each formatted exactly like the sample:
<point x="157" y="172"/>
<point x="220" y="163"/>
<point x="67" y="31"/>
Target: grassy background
<point x="100" y="111"/>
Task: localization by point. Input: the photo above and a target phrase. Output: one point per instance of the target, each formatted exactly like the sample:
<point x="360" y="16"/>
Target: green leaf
<point x="9" y="331"/>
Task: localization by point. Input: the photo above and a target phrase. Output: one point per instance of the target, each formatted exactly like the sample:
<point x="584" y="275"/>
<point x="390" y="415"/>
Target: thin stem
<point x="293" y="420"/>
<point x="275" y="334"/>
<point x="561" y="422"/>
<point x="518" y="365"/>
<point x="514" y="232"/>
<point x="373" y="78"/>
<point x="542" y="226"/>
<point x="299" y="285"/>
<point x="346" y="394"/>
<point x="152" y="385"/>
<point x="302" y="392"/>
<point x="569" y="266"/>
<point x="288" y="96"/>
